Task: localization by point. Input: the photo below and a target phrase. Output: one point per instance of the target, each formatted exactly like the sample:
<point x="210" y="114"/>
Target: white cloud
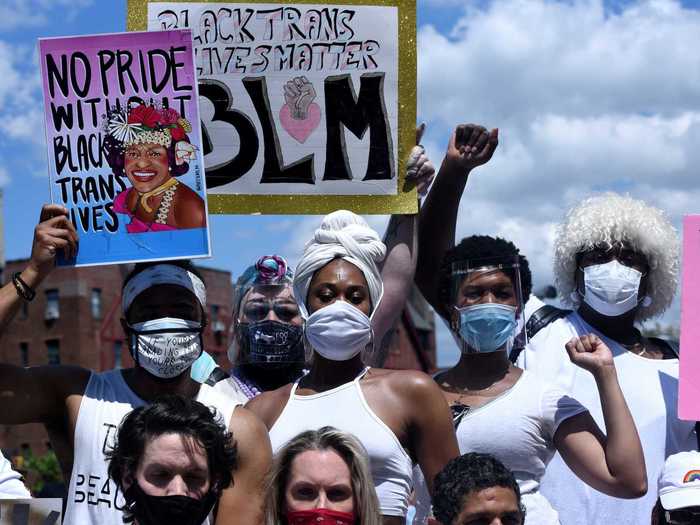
<point x="514" y="59"/>
<point x="585" y="99"/>
<point x="18" y="14"/>
<point x="21" y="106"/>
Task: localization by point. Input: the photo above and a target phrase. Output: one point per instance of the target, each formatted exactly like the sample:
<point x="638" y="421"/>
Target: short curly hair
<point x="166" y="415"/>
<point x="469" y="473"/>
<point x="610" y="218"/>
<point x="481" y="247"/>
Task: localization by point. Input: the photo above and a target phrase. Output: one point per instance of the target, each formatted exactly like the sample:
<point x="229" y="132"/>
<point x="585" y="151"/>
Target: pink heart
<point x="300" y="129"/>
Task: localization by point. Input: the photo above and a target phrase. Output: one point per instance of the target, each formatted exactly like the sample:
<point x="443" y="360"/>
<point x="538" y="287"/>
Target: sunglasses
<point x="626" y="256"/>
<point x="258" y="309"/>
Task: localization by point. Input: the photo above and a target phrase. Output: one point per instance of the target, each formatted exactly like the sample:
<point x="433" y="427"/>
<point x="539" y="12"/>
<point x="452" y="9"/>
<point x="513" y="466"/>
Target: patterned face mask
<point x="166" y="347"/>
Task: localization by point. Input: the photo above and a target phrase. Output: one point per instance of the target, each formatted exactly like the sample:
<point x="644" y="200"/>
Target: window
<point x="96" y="303"/>
<point x="24" y="310"/>
<point x="24" y="354"/>
<point x="52" y="349"/>
<point x="117" y="350"/>
<point x="52" y="306"/>
<point x="214" y="313"/>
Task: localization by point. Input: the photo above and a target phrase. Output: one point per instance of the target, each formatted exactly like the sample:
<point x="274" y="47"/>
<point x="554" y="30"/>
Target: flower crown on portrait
<point x="147" y="124"/>
<point x="141" y="124"/>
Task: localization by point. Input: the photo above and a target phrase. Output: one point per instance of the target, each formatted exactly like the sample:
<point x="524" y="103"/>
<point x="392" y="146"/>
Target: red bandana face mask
<point x="320" y="517"/>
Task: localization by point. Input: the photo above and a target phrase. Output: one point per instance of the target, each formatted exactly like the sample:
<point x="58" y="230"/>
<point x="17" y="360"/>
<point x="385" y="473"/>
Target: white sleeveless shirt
<point x="345" y="408"/>
<point x="92" y="496"/>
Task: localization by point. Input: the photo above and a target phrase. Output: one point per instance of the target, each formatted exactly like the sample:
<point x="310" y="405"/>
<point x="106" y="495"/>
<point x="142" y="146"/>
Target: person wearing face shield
<point x="171" y="460"/>
<point x="512" y="414"/>
<point x="163" y="318"/>
<point x="398" y="416"/>
<point x="616" y="263"/>
<point x="267" y="349"/>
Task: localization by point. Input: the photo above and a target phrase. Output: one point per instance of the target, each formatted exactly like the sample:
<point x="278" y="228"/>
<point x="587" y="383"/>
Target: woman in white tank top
<point x="398" y="416"/>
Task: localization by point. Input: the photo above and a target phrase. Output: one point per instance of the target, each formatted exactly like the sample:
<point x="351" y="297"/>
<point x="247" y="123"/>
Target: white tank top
<point x="345" y="408"/>
<point x="92" y="496"/>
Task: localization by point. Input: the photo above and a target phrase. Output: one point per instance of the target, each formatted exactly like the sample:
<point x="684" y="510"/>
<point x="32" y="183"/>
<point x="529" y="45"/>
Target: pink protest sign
<point x="688" y="405"/>
<point x="125" y="151"/>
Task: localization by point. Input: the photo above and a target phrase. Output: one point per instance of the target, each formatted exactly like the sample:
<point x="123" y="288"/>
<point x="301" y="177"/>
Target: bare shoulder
<point x="189" y="208"/>
<point x="245" y="422"/>
<point x="409" y="383"/>
<point x="269" y="405"/>
<point x="404" y="379"/>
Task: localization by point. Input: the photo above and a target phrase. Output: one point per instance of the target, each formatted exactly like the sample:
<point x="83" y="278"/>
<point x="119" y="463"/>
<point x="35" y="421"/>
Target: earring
<point x="646" y="302"/>
<point x="170" y="168"/>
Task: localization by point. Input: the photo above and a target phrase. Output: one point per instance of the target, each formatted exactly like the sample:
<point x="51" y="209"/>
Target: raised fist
<point x="590" y="353"/>
<point x="299" y="93"/>
<point x="471" y="146"/>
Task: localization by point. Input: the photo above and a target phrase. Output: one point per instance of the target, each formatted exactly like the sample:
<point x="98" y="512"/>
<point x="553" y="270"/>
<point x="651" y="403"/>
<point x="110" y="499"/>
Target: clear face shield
<point x="267" y="331"/>
<point x="487" y="305"/>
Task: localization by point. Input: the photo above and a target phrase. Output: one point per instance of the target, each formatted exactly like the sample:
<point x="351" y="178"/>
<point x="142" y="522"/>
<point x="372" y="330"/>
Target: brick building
<point x="75" y="320"/>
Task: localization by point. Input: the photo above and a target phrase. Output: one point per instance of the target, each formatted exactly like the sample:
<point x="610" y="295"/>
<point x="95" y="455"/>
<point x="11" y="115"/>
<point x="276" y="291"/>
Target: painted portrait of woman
<point x="151" y="147"/>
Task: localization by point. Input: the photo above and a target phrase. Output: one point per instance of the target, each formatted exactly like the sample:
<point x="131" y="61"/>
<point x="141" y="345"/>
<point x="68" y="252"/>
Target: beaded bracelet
<point x="23" y="289"/>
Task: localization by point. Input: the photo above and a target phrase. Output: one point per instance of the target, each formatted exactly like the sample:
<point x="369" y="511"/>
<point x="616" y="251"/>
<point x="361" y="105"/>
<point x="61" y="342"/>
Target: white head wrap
<point x="163" y="274"/>
<point x="342" y="234"/>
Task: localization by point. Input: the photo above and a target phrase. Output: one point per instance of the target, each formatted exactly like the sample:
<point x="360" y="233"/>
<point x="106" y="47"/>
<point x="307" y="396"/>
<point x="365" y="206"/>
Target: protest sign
<point x="689" y="382"/>
<point x="124" y="144"/>
<point x="306" y="107"/>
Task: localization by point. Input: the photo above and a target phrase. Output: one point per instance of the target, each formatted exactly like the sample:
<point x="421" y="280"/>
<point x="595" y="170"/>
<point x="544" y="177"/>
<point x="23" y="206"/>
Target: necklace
<point x="249" y="388"/>
<point x="163" y="188"/>
<point x="165" y="203"/>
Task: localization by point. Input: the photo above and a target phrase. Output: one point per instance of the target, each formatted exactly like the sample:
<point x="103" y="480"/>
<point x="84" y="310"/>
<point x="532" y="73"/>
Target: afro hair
<point x="611" y="218"/>
<point x="481" y="247"/>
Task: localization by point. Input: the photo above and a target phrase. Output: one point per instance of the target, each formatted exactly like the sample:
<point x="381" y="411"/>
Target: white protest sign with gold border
<point x="305" y="107"/>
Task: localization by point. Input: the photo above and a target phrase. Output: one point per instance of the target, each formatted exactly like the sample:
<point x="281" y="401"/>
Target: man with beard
<point x="163" y="307"/>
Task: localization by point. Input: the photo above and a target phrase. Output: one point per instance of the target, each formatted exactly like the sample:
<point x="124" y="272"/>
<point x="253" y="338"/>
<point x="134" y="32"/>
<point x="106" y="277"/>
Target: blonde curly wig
<point x="610" y="218"/>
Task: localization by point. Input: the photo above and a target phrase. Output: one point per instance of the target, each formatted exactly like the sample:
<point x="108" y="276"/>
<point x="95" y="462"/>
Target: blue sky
<point x="589" y="96"/>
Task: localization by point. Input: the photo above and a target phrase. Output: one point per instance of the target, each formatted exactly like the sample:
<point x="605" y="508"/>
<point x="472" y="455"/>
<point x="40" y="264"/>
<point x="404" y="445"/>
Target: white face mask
<point x="612" y="288"/>
<point x="166" y="347"/>
<point x="338" y="331"/>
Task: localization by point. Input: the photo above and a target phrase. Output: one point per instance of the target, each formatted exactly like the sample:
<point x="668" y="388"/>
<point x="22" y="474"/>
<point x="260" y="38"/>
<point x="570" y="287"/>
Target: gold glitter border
<point x="404" y="201"/>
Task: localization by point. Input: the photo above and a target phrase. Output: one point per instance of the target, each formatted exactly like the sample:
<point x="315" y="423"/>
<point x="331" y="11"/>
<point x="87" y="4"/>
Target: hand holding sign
<point x="54" y="232"/>
<point x="419" y="170"/>
<point x="471" y="146"/>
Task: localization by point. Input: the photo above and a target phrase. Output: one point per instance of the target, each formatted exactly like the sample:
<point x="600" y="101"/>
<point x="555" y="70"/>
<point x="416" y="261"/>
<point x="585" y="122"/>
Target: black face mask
<point x="168" y="510"/>
<point x="270" y="344"/>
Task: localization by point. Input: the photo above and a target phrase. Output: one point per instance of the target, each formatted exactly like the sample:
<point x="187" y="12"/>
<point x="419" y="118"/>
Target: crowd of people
<point x="549" y="417"/>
